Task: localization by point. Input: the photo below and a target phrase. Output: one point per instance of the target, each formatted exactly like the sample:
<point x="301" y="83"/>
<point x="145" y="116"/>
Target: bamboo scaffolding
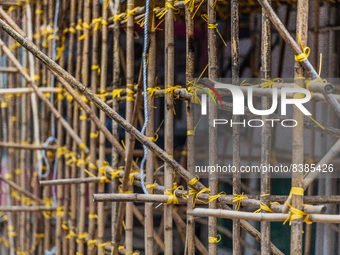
<point x="77" y="221"/>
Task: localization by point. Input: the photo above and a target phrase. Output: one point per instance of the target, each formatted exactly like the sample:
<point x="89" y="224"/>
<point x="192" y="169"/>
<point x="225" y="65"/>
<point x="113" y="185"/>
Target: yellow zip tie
<point x="141" y="22"/>
<point x="82" y="145"/>
<point x="296" y="191"/>
<point x="71" y="233"/>
<point x="86" y="25"/>
<point x="60" y="211"/>
<point x="106" y="3"/>
<point x="8" y="176"/>
<point x="103" y="244"/>
<point x="47" y="215"/>
<point x="197" y="9"/>
<point x="96" y="67"/>
<point x="83" y="235"/>
<point x="89" y="173"/>
<point x="213" y="26"/>
<point x="93" y="166"/>
<point x="151" y="91"/>
<point x="317" y="123"/>
<point x="117" y="17"/>
<point x="264" y="207"/>
<point x="94" y="135"/>
<point x="295" y="214"/>
<point x="238" y="199"/>
<point x="14" y="46"/>
<point x="305" y="52"/>
<point x="191" y="4"/>
<point x="269" y="83"/>
<point x="152" y="185"/>
<point x="193" y="180"/>
<point x="172" y="197"/>
<point x="215" y="239"/>
<point x="116" y="93"/>
<point x="4" y="105"/>
<point x="130" y="12"/>
<point x="93" y="216"/>
<point x="171" y="89"/>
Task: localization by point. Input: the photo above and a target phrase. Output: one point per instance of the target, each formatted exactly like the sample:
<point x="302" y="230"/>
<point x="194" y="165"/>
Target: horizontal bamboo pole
<point x="21" y="91"/>
<point x="26" y="208"/>
<point x="26" y="146"/>
<point x="181" y="93"/>
<point x="70" y="181"/>
<point x="135" y="197"/>
<point x="8" y="70"/>
<point x="200" y="212"/>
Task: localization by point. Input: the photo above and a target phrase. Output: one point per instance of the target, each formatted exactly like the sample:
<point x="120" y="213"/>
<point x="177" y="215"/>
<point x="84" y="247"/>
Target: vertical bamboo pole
<point x="9" y="159"/>
<point x="266" y="129"/>
<point x="297" y="143"/>
<point x="168" y="123"/>
<point x="190" y="72"/>
<point x="60" y="165"/>
<point x="93" y="138"/>
<point x="149" y="179"/>
<point x="115" y="106"/>
<point x="129" y="115"/>
<point x="101" y="187"/>
<point x="308" y="235"/>
<point x="236" y="128"/>
<point x="22" y="120"/>
<point x="74" y="170"/>
<point x="36" y="154"/>
<point x="83" y="128"/>
<point x="68" y="141"/>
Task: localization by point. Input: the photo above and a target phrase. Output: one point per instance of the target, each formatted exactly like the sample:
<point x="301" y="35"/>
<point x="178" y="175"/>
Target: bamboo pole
<point x="24" y="146"/>
<point x="236" y="129"/>
<point x="96" y="71"/>
<point x="149" y="232"/>
<point x="266" y="129"/>
<point x="74" y="170"/>
<point x="61" y="162"/>
<point x="190" y="71"/>
<point x="20" y="91"/>
<point x="272" y="217"/>
<point x="168" y="123"/>
<point x="83" y="129"/>
<point x="71" y="181"/>
<point x="68" y="141"/>
<point x="297" y="142"/>
<point x="27" y="208"/>
<point x="24" y="217"/>
<point x="115" y="107"/>
<point x="130" y="52"/>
